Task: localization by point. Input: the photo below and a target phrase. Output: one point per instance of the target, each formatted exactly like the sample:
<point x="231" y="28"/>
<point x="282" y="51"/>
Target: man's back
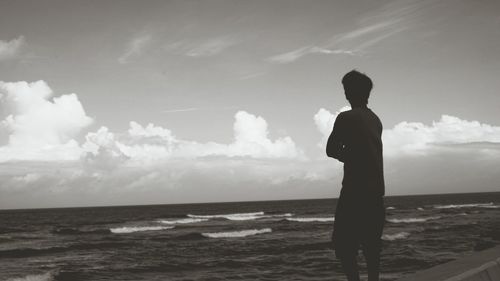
<point x="360" y="132"/>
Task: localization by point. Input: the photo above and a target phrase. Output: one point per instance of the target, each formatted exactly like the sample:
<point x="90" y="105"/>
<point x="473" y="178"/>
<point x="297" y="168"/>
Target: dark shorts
<point x="359" y="222"/>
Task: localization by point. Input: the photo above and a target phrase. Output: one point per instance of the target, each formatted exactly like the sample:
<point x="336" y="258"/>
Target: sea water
<point x="266" y="240"/>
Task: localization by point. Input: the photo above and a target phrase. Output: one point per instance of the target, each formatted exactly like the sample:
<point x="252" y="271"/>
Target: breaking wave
<point x="325" y="219"/>
<point x="49" y="276"/>
<point x="183" y="221"/>
<point x="130" y="229"/>
<point x="477" y="205"/>
<point x="390" y="208"/>
<point x="235" y="234"/>
<point x="396" y="236"/>
<point x="239" y="216"/>
<point x="412" y="220"/>
<point x="75" y="231"/>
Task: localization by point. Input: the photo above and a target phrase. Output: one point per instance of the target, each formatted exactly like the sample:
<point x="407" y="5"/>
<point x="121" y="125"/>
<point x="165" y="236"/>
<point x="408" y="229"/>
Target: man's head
<point x="357" y="87"/>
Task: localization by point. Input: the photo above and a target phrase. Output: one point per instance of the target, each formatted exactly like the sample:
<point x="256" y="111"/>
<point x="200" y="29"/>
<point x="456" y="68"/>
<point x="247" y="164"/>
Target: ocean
<point x="266" y="240"/>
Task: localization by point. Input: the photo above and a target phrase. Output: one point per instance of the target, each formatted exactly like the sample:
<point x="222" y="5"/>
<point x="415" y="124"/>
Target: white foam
<point x="130" y="229"/>
<point x="239" y="233"/>
<point x="412" y="220"/>
<point x="478" y="205"/>
<point x="420" y="208"/>
<point x="182" y="221"/>
<point x="396" y="236"/>
<point x="35" y="277"/>
<point x="390" y="208"/>
<point x="311" y="219"/>
<point x="240" y="216"/>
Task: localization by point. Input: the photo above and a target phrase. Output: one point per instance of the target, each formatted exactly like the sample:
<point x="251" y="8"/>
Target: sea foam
<point x="49" y="276"/>
<point x="325" y="219"/>
<point x="412" y="220"/>
<point x="477" y="205"/>
<point x="183" y="221"/>
<point x="235" y="234"/>
<point x="130" y="229"/>
<point x="240" y="216"/>
<point x="395" y="236"/>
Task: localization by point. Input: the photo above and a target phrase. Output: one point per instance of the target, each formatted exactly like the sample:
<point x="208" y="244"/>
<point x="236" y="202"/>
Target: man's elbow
<point x="334" y="154"/>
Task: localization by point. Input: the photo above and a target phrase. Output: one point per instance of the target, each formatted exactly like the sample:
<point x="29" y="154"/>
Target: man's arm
<point x="335" y="146"/>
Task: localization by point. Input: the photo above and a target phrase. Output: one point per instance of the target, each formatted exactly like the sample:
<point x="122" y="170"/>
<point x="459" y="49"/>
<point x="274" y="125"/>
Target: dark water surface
<point x="271" y="240"/>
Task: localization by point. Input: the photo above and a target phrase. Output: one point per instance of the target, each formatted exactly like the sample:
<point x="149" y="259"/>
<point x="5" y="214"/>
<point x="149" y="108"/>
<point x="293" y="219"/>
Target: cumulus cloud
<point x="415" y="138"/>
<point x="418" y="138"/>
<point x="146" y="144"/>
<point x="9" y="49"/>
<point x="40" y="127"/>
<point x="324" y="120"/>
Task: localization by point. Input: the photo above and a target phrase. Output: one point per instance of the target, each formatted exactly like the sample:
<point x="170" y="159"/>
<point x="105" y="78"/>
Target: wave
<point x="236" y="234"/>
<point x="420" y="209"/>
<point x="191" y="236"/>
<point x="240" y="216"/>
<point x="75" y="231"/>
<point x="477" y="205"/>
<point x="390" y="208"/>
<point x="396" y="236"/>
<point x="130" y="229"/>
<point x="48" y="276"/>
<point x="327" y="219"/>
<point x="183" y="221"/>
<point x="412" y="220"/>
<point x="30" y="252"/>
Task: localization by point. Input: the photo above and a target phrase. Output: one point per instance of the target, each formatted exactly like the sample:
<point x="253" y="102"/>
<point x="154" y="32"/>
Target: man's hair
<point x="357" y="87"/>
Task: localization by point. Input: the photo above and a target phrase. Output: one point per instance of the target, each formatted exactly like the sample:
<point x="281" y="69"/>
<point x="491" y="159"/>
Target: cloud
<point x="324" y="120"/>
<point x="372" y="28"/>
<point x="298" y="53"/>
<point x="201" y="48"/>
<point x="415" y="138"/>
<point x="418" y="138"/>
<point x="10" y="49"/>
<point x="135" y="47"/>
<point x="40" y="128"/>
<point x="151" y="143"/>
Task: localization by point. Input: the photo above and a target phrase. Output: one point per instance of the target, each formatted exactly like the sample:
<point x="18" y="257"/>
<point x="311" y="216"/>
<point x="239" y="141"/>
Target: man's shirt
<point x="356" y="141"/>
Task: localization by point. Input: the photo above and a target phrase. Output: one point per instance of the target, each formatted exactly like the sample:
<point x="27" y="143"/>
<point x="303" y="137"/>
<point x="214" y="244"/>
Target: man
<point x="360" y="214"/>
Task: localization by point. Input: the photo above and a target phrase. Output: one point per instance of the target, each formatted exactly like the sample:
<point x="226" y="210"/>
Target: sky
<point x="160" y="102"/>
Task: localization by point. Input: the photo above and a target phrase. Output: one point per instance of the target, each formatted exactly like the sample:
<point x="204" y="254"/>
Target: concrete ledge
<point x="478" y="266"/>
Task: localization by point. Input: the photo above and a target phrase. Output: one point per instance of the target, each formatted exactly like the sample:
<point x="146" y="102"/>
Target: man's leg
<point x="346" y="250"/>
<point x="350" y="266"/>
<point x="372" y="256"/>
<point x="372" y="240"/>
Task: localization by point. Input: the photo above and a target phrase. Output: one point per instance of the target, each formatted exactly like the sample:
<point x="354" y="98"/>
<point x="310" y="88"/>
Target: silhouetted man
<point x="360" y="214"/>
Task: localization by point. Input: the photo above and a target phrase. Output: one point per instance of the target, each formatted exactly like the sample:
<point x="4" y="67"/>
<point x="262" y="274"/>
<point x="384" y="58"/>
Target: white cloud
<point x="324" y="120"/>
<point x="415" y="138"/>
<point x="294" y="55"/>
<point x="418" y="138"/>
<point x="372" y="28"/>
<point x="201" y="48"/>
<point x="147" y="144"/>
<point x="135" y="47"/>
<point x="101" y="150"/>
<point x="9" y="49"/>
<point x="40" y="128"/>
